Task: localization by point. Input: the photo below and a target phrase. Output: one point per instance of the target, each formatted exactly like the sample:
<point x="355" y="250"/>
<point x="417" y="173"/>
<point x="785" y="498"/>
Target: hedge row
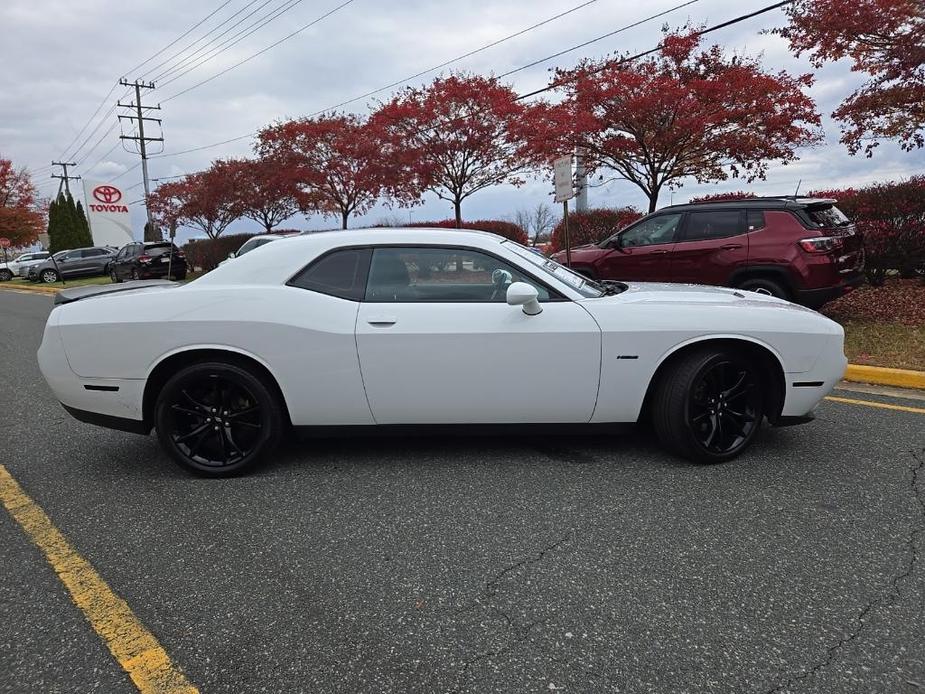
<point x="208" y="253"/>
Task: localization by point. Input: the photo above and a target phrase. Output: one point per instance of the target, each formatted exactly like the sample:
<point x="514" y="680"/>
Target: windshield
<point x="251" y="244"/>
<point x="581" y="284"/>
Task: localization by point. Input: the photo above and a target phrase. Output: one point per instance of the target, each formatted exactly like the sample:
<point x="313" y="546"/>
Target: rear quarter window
<point x="828" y="216"/>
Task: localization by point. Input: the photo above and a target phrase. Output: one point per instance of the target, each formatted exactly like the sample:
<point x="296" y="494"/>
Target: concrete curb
<point x="900" y="378"/>
<point x="38" y="289"/>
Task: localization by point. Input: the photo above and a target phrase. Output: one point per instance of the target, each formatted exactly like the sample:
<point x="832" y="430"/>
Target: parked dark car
<point x="148" y="260"/>
<point x="78" y="262"/>
<point x="804" y="250"/>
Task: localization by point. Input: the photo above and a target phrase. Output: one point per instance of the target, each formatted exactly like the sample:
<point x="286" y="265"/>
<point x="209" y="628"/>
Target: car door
<point x="642" y="252"/>
<point x="69" y="265"/>
<point x="95" y="261"/>
<point x="126" y="258"/>
<point x="438" y="344"/>
<point x="712" y="244"/>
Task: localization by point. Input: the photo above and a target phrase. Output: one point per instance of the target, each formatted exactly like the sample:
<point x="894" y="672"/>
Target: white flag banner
<point x="107" y="212"/>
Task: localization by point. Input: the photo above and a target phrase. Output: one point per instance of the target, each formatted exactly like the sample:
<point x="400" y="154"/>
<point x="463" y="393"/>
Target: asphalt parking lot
<point x="576" y="564"/>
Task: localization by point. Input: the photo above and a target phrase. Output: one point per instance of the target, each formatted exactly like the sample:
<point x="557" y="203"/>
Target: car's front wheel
<point x="50" y="276"/>
<point x="708" y="405"/>
<point x="113" y="276"/>
<point x="218" y="419"/>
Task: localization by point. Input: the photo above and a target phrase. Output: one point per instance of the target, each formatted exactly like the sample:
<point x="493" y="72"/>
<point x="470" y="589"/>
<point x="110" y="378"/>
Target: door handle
<point x="658" y="252"/>
<point x="731" y="246"/>
<point x="382" y="321"/>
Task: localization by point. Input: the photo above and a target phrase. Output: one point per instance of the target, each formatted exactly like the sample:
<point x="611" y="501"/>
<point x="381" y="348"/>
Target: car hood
<point x="670" y="293"/>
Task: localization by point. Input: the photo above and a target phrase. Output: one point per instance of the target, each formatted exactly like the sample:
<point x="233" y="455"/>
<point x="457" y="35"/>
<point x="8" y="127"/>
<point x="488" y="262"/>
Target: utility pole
<point x="140" y="137"/>
<point x="64" y="177"/>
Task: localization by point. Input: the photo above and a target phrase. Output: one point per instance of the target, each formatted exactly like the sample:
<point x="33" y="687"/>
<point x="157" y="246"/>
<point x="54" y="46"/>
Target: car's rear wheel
<point x="5" y="275"/>
<point x="218" y="419"/>
<point x="50" y="276"/>
<point x="763" y="285"/>
<point x="708" y="405"/>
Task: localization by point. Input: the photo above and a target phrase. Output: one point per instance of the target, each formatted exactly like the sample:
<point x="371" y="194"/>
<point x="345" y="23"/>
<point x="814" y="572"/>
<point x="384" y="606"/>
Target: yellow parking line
<point x="881" y="405"/>
<point x="130" y="643"/>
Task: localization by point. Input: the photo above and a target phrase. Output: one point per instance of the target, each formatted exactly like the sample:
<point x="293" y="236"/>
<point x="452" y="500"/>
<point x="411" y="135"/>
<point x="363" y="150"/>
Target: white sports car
<point x="374" y="328"/>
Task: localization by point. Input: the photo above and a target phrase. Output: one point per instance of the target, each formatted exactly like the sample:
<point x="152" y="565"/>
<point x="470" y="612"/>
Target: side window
<point x="341" y="273"/>
<point x="442" y="275"/>
<point x="754" y="220"/>
<point x="648" y="232"/>
<point x="135" y="250"/>
<point x="716" y="224"/>
<point x="94" y="253"/>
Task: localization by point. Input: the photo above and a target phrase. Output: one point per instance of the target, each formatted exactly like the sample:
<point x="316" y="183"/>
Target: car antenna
<point x="798" y="187"/>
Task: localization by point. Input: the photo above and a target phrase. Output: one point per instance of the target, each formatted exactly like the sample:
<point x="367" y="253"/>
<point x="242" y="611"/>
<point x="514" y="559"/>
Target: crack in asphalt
<point x="519" y="633"/>
<point x="887" y="596"/>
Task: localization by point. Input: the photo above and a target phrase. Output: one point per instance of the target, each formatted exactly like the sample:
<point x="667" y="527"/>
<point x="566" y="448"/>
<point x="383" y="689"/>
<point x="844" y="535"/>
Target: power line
<point x="188" y="64"/>
<point x="462" y="57"/>
<point x="444" y="64"/>
<point x="261" y="52"/>
<point x="702" y="32"/>
<point x="183" y="50"/>
<point x="596" y="39"/>
<point x="180" y="37"/>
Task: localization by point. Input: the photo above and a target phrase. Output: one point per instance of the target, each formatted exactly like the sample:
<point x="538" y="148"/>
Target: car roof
<point x="273" y="261"/>
<point x="770" y="202"/>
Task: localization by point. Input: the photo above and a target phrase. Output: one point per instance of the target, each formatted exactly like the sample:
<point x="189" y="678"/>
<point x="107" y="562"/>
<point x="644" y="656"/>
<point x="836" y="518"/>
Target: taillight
<point x="144" y="259"/>
<point x="821" y="244"/>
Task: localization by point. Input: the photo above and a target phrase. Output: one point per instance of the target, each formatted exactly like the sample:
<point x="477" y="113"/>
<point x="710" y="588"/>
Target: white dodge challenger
<point x="382" y="328"/>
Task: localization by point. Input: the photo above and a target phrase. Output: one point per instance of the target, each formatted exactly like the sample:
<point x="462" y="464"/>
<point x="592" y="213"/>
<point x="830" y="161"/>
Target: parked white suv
<point x="20" y="266"/>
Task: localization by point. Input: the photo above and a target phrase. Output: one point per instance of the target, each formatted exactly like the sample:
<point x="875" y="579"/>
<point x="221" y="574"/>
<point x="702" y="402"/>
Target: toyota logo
<point x="107" y="194"/>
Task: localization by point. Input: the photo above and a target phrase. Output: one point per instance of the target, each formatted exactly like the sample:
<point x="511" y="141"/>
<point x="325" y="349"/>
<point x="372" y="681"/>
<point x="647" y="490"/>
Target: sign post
<point x="562" y="175"/>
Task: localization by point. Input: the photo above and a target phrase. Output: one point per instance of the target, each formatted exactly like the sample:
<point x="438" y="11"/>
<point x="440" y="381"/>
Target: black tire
<point x="764" y="285"/>
<point x="708" y="405"/>
<point x="50" y="276"/>
<point x="5" y="275"/>
<point x="114" y="276"/>
<point x="135" y="275"/>
<point x="201" y="435"/>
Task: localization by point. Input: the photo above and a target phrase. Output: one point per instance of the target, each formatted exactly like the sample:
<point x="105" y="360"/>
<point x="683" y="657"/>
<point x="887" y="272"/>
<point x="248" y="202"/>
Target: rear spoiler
<point x="66" y="296"/>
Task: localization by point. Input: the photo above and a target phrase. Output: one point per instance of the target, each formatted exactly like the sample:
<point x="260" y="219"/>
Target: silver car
<point x="80" y="262"/>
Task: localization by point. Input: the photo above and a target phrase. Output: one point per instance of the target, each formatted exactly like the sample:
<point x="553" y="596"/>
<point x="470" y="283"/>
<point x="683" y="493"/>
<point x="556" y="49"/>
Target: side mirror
<point x="523" y="294"/>
<point x="232" y="255"/>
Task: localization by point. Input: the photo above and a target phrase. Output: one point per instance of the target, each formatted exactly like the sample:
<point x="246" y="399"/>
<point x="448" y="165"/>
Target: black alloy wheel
<point x="217" y="419"/>
<point x="710" y="406"/>
<point x="724" y="406"/>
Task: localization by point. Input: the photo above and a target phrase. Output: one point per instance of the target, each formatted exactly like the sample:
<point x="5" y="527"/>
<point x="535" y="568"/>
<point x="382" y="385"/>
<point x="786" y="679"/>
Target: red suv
<point x="801" y="249"/>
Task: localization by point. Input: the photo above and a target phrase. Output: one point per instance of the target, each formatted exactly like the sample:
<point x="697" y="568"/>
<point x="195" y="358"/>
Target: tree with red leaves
<point x="455" y="137"/>
<point x="21" y="220"/>
<point x="335" y="160"/>
<point x="265" y="190"/>
<point x="204" y="201"/>
<point x="681" y="114"/>
<point x="885" y="39"/>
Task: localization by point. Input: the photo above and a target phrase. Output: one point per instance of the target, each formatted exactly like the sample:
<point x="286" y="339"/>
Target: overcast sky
<point x="61" y="58"/>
